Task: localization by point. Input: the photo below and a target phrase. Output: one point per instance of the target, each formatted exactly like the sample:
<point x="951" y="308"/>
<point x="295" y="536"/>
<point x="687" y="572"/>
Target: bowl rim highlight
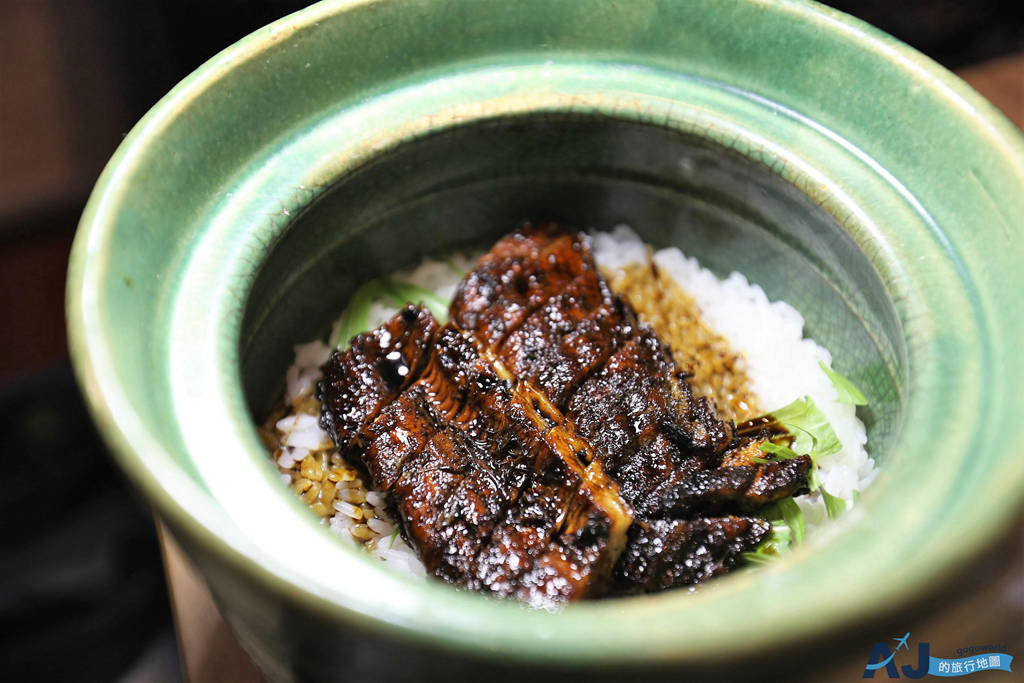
<point x="428" y="613"/>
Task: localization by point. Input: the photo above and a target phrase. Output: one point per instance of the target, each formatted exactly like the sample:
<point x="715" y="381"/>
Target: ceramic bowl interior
<point x="466" y="186"/>
<point x="830" y="164"/>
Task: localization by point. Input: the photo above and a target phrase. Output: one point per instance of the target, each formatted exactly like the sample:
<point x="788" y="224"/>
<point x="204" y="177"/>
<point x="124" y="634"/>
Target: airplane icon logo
<point x="902" y="643"/>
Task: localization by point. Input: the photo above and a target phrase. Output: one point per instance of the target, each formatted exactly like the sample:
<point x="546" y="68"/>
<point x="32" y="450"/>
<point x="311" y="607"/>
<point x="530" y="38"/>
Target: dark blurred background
<point x="82" y="589"/>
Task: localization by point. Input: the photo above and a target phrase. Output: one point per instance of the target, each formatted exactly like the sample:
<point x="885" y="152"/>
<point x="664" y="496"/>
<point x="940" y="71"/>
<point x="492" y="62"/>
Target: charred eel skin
<point x="544" y="445"/>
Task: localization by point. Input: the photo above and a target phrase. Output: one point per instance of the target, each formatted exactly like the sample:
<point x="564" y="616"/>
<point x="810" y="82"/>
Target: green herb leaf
<point x="356" y="318"/>
<point x="773" y="547"/>
<point x="394" y="535"/>
<point x="402" y="293"/>
<point x="813" y="480"/>
<point x="781" y="536"/>
<point x="454" y="268"/>
<point x="758" y="557"/>
<point x="814" y="435"/>
<point x="777" y="450"/>
<point x="794" y="517"/>
<point x="848" y="393"/>
<point x="834" y="505"/>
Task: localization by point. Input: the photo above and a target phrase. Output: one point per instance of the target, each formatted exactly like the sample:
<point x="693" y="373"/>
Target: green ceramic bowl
<point x="828" y="162"/>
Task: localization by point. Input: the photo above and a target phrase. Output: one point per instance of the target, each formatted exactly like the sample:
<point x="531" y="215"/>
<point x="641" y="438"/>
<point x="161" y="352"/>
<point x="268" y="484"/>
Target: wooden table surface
<point x="986" y="606"/>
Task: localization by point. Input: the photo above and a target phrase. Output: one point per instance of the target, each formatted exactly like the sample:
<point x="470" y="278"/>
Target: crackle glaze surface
<point x="834" y="165"/>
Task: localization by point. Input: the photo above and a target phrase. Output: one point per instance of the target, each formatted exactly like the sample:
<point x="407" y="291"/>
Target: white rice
<point x="781" y="363"/>
<point x="301" y="433"/>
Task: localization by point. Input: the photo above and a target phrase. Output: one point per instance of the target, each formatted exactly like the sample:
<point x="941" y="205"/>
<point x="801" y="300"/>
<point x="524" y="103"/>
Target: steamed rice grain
<point x="778" y="363"/>
<point x="781" y="363"/>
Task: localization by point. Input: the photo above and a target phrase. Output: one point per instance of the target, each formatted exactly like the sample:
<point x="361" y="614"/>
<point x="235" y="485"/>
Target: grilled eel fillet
<point x="493" y="487"/>
<point x="544" y="445"/>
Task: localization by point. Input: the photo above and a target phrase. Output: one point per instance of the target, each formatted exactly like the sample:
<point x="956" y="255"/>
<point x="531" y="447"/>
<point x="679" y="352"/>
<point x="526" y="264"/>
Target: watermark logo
<point x="980" y="658"/>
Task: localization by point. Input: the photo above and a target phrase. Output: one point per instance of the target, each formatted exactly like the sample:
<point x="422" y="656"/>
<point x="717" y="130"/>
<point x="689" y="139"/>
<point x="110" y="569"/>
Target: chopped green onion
<point x="834" y="505"/>
<point x="848" y="393"/>
<point x="394" y="535"/>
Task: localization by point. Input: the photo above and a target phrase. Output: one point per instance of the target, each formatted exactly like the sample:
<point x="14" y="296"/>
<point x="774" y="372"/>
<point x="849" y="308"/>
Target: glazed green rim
<point x="740" y="614"/>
